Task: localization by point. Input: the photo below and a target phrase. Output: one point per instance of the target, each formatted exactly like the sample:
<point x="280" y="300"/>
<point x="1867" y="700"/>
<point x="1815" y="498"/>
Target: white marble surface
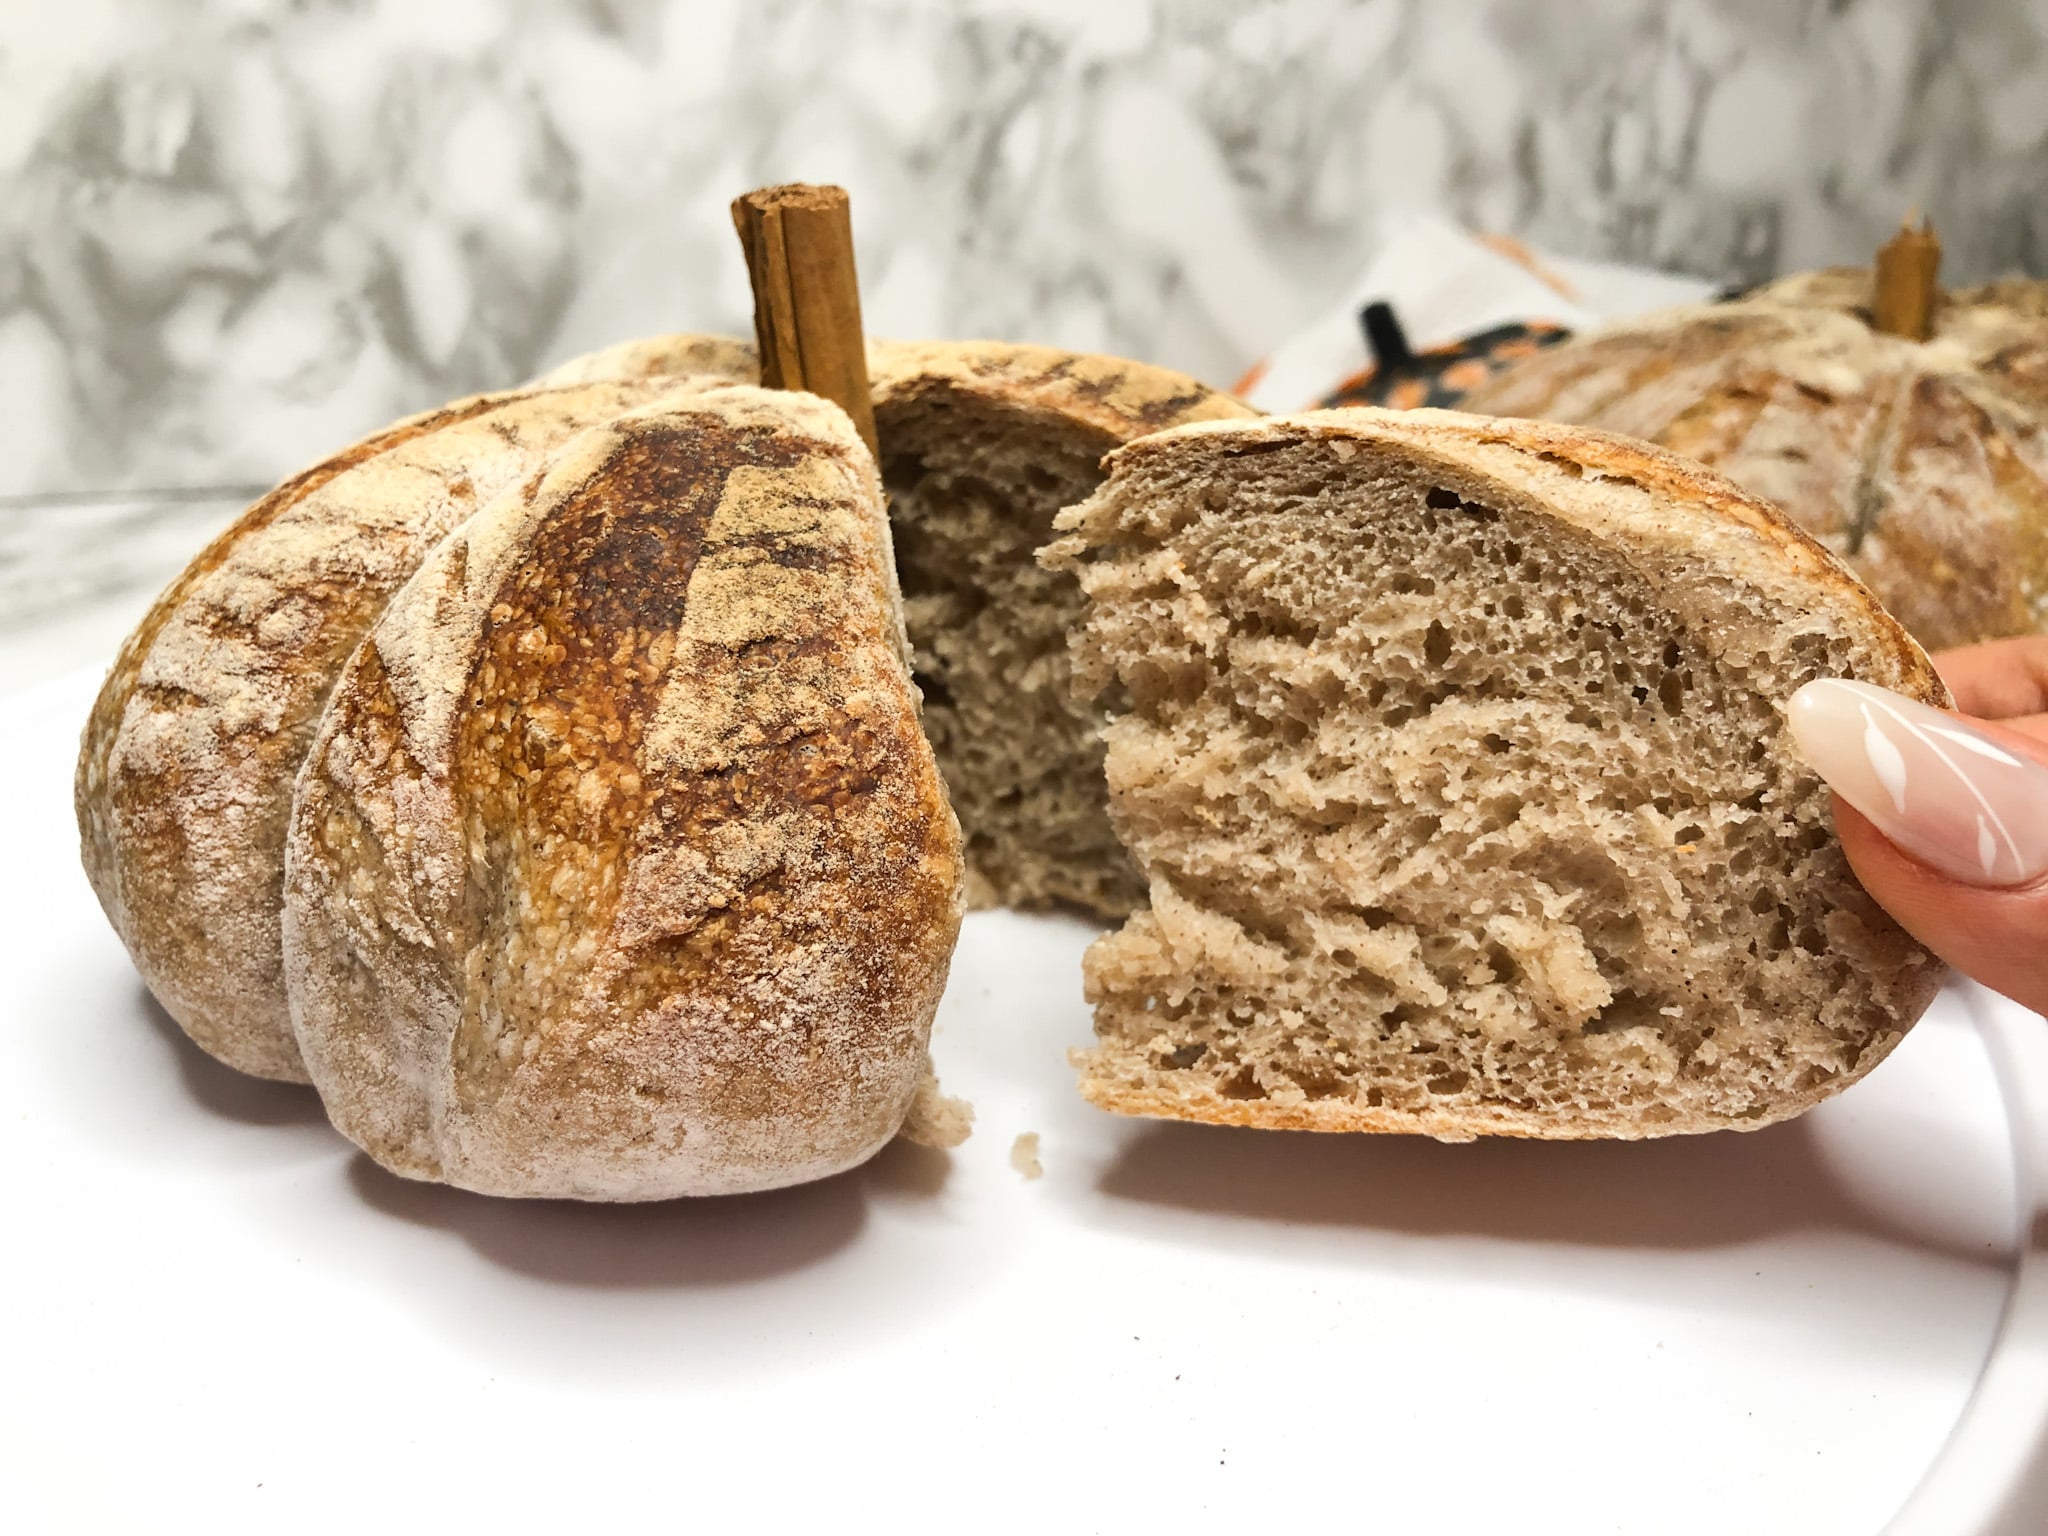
<point x="234" y="234"/>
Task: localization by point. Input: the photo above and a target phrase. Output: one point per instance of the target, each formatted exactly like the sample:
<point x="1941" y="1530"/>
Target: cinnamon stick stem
<point x="1905" y="292"/>
<point x="798" y="241"/>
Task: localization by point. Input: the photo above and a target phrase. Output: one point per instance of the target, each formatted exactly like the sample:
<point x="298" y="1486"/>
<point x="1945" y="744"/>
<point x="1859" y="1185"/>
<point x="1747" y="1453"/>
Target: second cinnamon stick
<point x="1905" y="289"/>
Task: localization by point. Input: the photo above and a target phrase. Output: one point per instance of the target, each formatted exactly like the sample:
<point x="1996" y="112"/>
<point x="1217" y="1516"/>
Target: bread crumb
<point x="1024" y="1155"/>
<point x="934" y="1119"/>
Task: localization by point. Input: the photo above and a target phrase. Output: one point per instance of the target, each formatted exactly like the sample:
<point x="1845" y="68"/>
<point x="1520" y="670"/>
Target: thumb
<point x="1945" y="821"/>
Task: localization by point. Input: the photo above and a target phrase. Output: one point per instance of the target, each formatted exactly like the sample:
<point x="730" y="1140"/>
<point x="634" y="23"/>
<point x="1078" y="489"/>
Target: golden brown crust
<point x="186" y="766"/>
<point x="621" y="869"/>
<point x="1101" y="1086"/>
<point x="129" y="835"/>
<point x="1924" y="465"/>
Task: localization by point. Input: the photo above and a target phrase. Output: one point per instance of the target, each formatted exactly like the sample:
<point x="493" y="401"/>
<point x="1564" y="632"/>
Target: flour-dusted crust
<point x="186" y="767"/>
<point x="650" y="357"/>
<point x="1116" y="397"/>
<point x="1923" y="464"/>
<point x="620" y="868"/>
<point x="1746" y="587"/>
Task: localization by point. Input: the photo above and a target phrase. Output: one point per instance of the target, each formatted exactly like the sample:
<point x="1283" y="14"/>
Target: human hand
<point x="1945" y="818"/>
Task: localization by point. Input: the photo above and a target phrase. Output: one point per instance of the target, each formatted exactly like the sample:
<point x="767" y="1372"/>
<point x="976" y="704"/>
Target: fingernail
<point x="1942" y="790"/>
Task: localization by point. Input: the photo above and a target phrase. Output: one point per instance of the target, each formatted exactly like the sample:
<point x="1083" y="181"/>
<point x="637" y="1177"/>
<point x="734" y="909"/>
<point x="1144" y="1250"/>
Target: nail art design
<point x="1936" y="786"/>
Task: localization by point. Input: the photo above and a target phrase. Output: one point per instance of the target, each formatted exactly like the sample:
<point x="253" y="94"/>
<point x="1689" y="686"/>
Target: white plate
<point x="218" y="1315"/>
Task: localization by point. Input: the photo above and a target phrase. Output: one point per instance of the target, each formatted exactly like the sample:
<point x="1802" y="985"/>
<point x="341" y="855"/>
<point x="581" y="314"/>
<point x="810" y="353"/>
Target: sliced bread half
<point x="1452" y="753"/>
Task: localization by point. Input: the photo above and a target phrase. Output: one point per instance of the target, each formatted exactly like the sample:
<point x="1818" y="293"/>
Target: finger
<point x="1997" y="936"/>
<point x="1945" y="821"/>
<point x="1999" y="679"/>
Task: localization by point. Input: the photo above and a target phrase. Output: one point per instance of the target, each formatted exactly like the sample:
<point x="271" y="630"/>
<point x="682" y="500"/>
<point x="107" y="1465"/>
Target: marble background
<point x="235" y="234"/>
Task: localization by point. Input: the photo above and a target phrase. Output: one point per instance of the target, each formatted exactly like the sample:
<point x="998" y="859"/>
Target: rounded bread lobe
<point x="620" y="868"/>
<point x="186" y="767"/>
<point x="1924" y="465"/>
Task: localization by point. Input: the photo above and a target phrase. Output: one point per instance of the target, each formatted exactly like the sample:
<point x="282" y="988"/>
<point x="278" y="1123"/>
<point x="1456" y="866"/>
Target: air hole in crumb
<point x="1449" y="1083"/>
<point x="1671" y="653"/>
<point x="1439" y="497"/>
<point x="1321" y="1085"/>
<point x="1671" y="693"/>
<point x="1436" y="645"/>
<point x="1494" y="743"/>
<point x="1241" y="1085"/>
<point x="1689" y="834"/>
<point x="1512" y="606"/>
<point x="1629" y="1010"/>
<point x="1183" y="1057"/>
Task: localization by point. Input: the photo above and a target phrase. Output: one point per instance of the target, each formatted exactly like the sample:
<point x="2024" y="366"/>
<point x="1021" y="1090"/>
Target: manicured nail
<point x="1942" y="790"/>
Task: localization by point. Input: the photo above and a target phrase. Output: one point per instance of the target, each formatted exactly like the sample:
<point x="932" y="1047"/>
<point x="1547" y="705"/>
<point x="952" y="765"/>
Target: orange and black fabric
<point x="1438" y="376"/>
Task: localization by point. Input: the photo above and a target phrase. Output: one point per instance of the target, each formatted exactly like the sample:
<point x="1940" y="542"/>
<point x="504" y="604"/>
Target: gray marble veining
<point x="234" y="233"/>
